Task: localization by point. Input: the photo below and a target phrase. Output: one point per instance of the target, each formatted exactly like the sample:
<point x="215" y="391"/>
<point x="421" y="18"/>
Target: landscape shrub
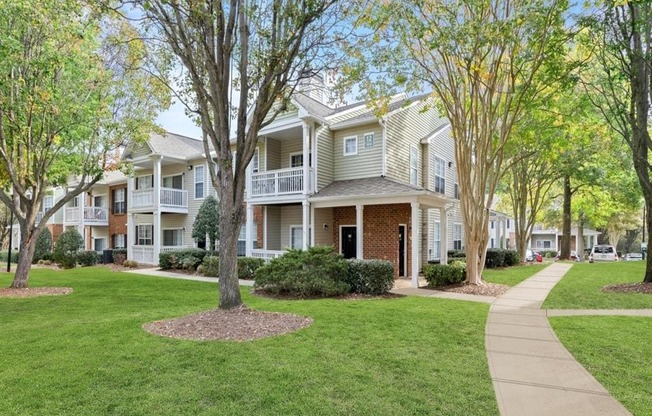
<point x="188" y="258"/>
<point x="43" y="262"/>
<point x="373" y="277"/>
<point x="511" y="258"/>
<point x="495" y="258"/>
<point x="5" y="254"/>
<point x="318" y="271"/>
<point x="444" y="274"/>
<point x="43" y="247"/>
<point x="119" y="255"/>
<point x="210" y="267"/>
<point x="456" y="254"/>
<point x="66" y="248"/>
<point x="130" y="263"/>
<point x="549" y="254"/>
<point x="88" y="258"/>
<point x="247" y="267"/>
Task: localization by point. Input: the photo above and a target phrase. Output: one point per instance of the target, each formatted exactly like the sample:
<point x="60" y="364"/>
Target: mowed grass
<point x="615" y="350"/>
<point x="513" y="275"/>
<point x="581" y="287"/>
<point x="86" y="354"/>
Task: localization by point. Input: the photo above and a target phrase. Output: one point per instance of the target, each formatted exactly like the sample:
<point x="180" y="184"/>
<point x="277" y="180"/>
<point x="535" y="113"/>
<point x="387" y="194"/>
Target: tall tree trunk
<point x="648" y="265"/>
<point x="473" y="265"/>
<point x="231" y="214"/>
<point x="28" y="240"/>
<point x="566" y="220"/>
<point x="580" y="238"/>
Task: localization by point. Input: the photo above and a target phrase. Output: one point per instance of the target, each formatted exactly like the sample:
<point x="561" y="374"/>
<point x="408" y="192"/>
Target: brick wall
<point x="117" y="222"/>
<point x="55" y="230"/>
<point x="380" y="231"/>
<point x="258" y="217"/>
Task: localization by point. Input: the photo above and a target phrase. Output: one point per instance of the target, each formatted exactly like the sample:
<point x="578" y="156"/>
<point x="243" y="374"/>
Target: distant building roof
<point x="175" y="145"/>
<point x="365" y="186"/>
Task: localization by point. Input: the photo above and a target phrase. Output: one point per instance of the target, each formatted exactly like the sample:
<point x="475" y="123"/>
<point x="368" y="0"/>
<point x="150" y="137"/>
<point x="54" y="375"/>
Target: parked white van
<point x="603" y="253"/>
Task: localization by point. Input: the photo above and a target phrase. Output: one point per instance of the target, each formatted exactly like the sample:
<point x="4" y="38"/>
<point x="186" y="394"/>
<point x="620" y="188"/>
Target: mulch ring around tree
<point x="629" y="288"/>
<point x="348" y="296"/>
<point x="239" y="324"/>
<point x="486" y="289"/>
<point x="32" y="292"/>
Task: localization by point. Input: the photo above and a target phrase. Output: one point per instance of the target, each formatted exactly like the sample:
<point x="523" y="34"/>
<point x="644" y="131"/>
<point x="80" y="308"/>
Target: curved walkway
<point x="532" y="372"/>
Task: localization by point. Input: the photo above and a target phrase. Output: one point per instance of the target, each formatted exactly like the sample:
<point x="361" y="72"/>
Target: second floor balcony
<point x="171" y="200"/>
<point x="279" y="182"/>
<point x="91" y="215"/>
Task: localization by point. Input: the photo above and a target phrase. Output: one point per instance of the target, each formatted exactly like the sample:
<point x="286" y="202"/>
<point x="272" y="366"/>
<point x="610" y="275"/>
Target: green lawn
<point x="581" y="287"/>
<point x="615" y="350"/>
<point x="86" y="354"/>
<point x="512" y="275"/>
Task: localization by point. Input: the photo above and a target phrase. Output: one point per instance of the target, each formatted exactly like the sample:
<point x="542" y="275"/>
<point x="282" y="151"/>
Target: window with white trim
<point x="173" y="237"/>
<point x="457" y="236"/>
<point x="144" y="235"/>
<point x="173" y="182"/>
<point x="119" y="201"/>
<point x="492" y="243"/>
<point x="492" y="225"/>
<point x="144" y="182"/>
<point x="508" y="223"/>
<point x="199" y="181"/>
<point x="119" y="241"/>
<point x="414" y="165"/>
<point x="351" y="146"/>
<point x="440" y="175"/>
<point x="99" y="201"/>
<point x="544" y="244"/>
<point x="242" y="240"/>
<point x="48" y="202"/>
<point x="296" y="237"/>
<point x="99" y="244"/>
<point x="255" y="162"/>
<point x="436" y="243"/>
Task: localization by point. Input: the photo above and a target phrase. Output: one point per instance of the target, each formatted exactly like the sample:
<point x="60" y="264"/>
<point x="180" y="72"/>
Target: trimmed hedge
<point x="119" y="255"/>
<point x="456" y="254"/>
<point x="373" y="277"/>
<point x="499" y="257"/>
<point x="210" y="266"/>
<point x="88" y="258"/>
<point x="444" y="274"/>
<point x="188" y="259"/>
<point x="5" y="254"/>
<point x="43" y="249"/>
<point x="512" y="258"/>
<point x="247" y="267"/>
<point x="318" y="271"/>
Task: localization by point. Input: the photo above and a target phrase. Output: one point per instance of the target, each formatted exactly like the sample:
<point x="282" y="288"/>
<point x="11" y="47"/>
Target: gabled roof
<point x="170" y="145"/>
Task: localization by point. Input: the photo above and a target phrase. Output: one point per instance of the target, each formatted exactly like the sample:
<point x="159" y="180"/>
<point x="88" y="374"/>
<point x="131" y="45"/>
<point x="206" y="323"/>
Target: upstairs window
<point x="350" y="146"/>
<point x="119" y="201"/>
<point x="440" y="175"/>
<point x="414" y="165"/>
<point x="144" y="182"/>
<point x="199" y="181"/>
<point x="48" y="203"/>
<point x="255" y="162"/>
<point x="174" y="182"/>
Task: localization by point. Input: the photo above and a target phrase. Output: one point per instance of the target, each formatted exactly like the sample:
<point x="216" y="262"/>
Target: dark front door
<point x="349" y="243"/>
<point x="401" y="250"/>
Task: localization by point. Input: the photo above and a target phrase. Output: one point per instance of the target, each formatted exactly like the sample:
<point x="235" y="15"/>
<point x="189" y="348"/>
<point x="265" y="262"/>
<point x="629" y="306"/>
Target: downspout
<point x="383" y="162"/>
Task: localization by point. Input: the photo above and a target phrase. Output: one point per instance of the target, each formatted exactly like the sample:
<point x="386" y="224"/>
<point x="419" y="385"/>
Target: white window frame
<point x="104" y="198"/>
<point x="45" y="207"/>
<point x="458" y="236"/>
<point x="414" y="165"/>
<point x="123" y="200"/>
<point x="353" y="152"/>
<point x="104" y="245"/>
<point x="492" y="224"/>
<point x="171" y="229"/>
<point x="124" y="241"/>
<point x="203" y="182"/>
<point x="437" y="177"/>
<point x="151" y="237"/>
<point x="291" y="155"/>
<point x="150" y="182"/>
<point x="163" y="178"/>
<point x="255" y="161"/>
<point x="436" y="240"/>
<point x="292" y="228"/>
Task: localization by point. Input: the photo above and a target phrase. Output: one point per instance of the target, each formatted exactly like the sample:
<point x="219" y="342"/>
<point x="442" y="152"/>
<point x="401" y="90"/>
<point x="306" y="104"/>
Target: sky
<point x="175" y="120"/>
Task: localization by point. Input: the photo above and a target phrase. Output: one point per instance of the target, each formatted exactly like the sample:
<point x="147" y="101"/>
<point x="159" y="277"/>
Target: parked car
<point x="603" y="252"/>
<point x="573" y="255"/>
<point x="531" y="256"/>
<point x="633" y="257"/>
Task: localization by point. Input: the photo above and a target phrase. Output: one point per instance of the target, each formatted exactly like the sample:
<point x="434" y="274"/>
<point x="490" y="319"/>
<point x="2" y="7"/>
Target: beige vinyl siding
<point x="100" y="232"/>
<point x="178" y="221"/>
<point x="405" y="128"/>
<point x="442" y="146"/>
<point x="289" y="147"/>
<point x="323" y="236"/>
<point x="324" y="158"/>
<point x="273" y="224"/>
<point x="290" y="215"/>
<point x="367" y="163"/>
<point x="454" y="218"/>
<point x="273" y="155"/>
<point x="189" y="185"/>
<point x="140" y="150"/>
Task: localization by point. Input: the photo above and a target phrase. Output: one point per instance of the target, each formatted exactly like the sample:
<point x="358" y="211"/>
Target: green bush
<point x="188" y="258"/>
<point x="210" y="266"/>
<point x="444" y="274"/>
<point x="317" y="271"/>
<point x="130" y="263"/>
<point x="495" y="258"/>
<point x="456" y="254"/>
<point x="43" y="247"/>
<point x="511" y="258"/>
<point x="549" y="254"/>
<point x="247" y="267"/>
<point x="373" y="277"/>
<point x="66" y="248"/>
<point x="88" y="258"/>
<point x="5" y="254"/>
<point x="119" y="255"/>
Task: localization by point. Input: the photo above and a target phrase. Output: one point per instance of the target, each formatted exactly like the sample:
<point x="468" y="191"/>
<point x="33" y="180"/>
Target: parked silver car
<point x="603" y="252"/>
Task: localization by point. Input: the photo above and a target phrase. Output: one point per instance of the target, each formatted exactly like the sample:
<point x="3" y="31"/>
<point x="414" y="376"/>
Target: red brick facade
<point x="380" y="230"/>
<point x="117" y="222"/>
<point x="258" y="218"/>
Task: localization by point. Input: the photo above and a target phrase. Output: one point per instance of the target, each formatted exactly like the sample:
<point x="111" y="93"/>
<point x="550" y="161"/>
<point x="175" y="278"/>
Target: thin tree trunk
<point x="473" y="258"/>
<point x="580" y="238"/>
<point x="27" y="247"/>
<point x="230" y="219"/>
<point x="648" y="266"/>
<point x="566" y="218"/>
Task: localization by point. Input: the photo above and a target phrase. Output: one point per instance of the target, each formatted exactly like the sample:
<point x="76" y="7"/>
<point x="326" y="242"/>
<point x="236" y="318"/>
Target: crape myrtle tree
<point x="241" y="61"/>
<point x="70" y="94"/>
<point x="484" y="61"/>
<point x="620" y="35"/>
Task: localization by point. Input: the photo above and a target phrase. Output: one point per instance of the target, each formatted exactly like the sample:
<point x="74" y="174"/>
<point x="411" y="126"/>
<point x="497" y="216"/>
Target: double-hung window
<point x="119" y="201"/>
<point x="119" y="240"/>
<point x="351" y="146"/>
<point x="440" y="175"/>
<point x="255" y="162"/>
<point x="144" y="235"/>
<point x="457" y="236"/>
<point x="199" y="181"/>
<point x="48" y="203"/>
<point x="436" y="244"/>
<point x="414" y="165"/>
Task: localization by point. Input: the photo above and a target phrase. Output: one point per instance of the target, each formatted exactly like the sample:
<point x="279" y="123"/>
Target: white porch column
<point x="306" y="220"/>
<point x="131" y="230"/>
<point x="312" y="225"/>
<point x="306" y="162"/>
<point x="157" y="211"/>
<point x="505" y="234"/>
<point x="414" y="227"/>
<point x="498" y="227"/>
<point x="265" y="227"/>
<point x="443" y="235"/>
<point x="82" y="226"/>
<point x="359" y="231"/>
<point x="249" y="230"/>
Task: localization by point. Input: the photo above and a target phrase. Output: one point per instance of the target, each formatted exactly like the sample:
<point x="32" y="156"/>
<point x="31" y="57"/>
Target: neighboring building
<point x="501" y="231"/>
<point x="550" y="239"/>
<point x="54" y="223"/>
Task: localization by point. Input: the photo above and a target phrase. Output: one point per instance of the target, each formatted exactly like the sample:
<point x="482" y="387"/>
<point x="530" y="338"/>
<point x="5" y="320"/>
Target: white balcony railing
<point x="266" y="255"/>
<point x="143" y="254"/>
<point x="173" y="248"/>
<point x="96" y="215"/>
<point x="144" y="198"/>
<point x="72" y="215"/>
<point x="278" y="182"/>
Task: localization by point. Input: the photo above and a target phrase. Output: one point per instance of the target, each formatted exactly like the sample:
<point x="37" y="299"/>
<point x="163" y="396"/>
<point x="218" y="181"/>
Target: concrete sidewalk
<point x="532" y="373"/>
<point x="161" y="273"/>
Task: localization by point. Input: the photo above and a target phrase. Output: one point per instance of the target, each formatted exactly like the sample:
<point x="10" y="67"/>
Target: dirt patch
<point x="241" y="324"/>
<point x="348" y="296"/>
<point x="629" y="288"/>
<point x="487" y="289"/>
<point x="32" y="292"/>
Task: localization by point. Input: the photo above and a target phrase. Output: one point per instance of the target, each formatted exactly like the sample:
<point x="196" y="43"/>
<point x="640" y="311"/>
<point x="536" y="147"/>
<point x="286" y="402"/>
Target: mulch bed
<point x="240" y="324"/>
<point x="486" y="289"/>
<point x="629" y="288"/>
<point x="348" y="296"/>
<point x="32" y="292"/>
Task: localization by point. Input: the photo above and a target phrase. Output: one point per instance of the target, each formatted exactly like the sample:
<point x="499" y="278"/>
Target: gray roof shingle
<point x="174" y="145"/>
<point x="365" y="187"/>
